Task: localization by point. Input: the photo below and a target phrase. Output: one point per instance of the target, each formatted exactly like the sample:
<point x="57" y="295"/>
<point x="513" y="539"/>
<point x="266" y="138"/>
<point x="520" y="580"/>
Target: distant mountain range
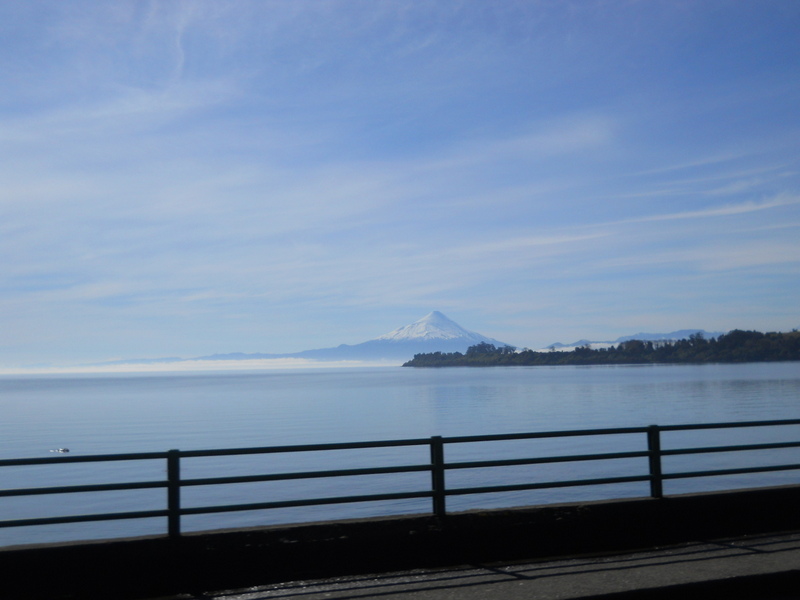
<point x="432" y="333"/>
<point x="681" y="334"/>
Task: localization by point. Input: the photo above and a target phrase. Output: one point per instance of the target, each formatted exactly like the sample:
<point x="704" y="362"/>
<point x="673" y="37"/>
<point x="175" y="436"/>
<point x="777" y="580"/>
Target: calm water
<point x="139" y="413"/>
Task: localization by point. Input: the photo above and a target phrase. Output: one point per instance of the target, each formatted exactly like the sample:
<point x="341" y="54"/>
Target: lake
<point x="145" y="412"/>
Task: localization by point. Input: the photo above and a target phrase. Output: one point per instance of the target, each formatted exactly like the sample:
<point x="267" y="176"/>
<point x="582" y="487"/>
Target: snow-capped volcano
<point x="435" y="326"/>
<point x="432" y="333"/>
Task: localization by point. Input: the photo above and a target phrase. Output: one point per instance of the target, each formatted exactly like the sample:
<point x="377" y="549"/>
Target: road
<point x="765" y="567"/>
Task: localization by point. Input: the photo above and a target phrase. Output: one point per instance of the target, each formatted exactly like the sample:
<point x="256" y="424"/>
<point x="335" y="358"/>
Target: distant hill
<point x="432" y="333"/>
<point x="681" y="334"/>
<point x="736" y="346"/>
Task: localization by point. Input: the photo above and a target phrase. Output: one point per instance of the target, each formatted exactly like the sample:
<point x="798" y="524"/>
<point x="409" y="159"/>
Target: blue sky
<point x="185" y="178"/>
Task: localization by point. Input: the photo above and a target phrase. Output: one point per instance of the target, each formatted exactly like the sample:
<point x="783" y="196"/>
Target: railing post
<point x="654" y="449"/>
<point x="437" y="476"/>
<point x="174" y="494"/>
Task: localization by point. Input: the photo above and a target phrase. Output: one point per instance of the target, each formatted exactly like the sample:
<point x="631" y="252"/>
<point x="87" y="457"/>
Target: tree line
<point x="736" y="346"/>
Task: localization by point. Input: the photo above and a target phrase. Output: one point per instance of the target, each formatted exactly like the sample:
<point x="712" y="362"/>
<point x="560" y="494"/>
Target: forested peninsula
<point x="736" y="346"/>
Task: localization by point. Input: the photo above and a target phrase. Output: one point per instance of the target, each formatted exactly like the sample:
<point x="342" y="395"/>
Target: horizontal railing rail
<point x="436" y="467"/>
<point x="61" y="459"/>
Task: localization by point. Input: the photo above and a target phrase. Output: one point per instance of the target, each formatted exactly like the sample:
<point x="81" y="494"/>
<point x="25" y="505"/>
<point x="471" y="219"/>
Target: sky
<point x="184" y="178"/>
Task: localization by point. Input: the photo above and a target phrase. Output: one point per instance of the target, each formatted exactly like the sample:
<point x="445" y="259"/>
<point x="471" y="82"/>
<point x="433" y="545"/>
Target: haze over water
<point x="120" y="414"/>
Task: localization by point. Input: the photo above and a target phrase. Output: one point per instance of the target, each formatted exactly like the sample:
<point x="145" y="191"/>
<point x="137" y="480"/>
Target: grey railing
<point x="437" y="466"/>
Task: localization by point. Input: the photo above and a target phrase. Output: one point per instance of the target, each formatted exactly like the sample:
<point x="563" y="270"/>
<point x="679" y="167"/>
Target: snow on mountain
<point x="435" y="326"/>
<point x="432" y="333"/>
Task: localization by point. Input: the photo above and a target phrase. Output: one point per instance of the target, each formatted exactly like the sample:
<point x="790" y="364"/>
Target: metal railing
<point x="437" y="492"/>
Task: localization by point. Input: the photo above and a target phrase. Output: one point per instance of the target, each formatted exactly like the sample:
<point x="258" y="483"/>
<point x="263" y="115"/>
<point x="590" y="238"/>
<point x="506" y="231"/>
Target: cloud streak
<point x="783" y="200"/>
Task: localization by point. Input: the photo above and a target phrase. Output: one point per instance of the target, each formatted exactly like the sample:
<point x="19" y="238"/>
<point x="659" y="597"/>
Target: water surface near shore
<point x="140" y="413"/>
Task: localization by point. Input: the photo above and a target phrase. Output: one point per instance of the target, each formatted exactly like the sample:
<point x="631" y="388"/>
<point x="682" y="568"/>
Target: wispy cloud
<point x="721" y="211"/>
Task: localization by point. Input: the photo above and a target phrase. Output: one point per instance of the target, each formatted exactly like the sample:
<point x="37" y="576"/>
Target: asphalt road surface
<point x="765" y="567"/>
